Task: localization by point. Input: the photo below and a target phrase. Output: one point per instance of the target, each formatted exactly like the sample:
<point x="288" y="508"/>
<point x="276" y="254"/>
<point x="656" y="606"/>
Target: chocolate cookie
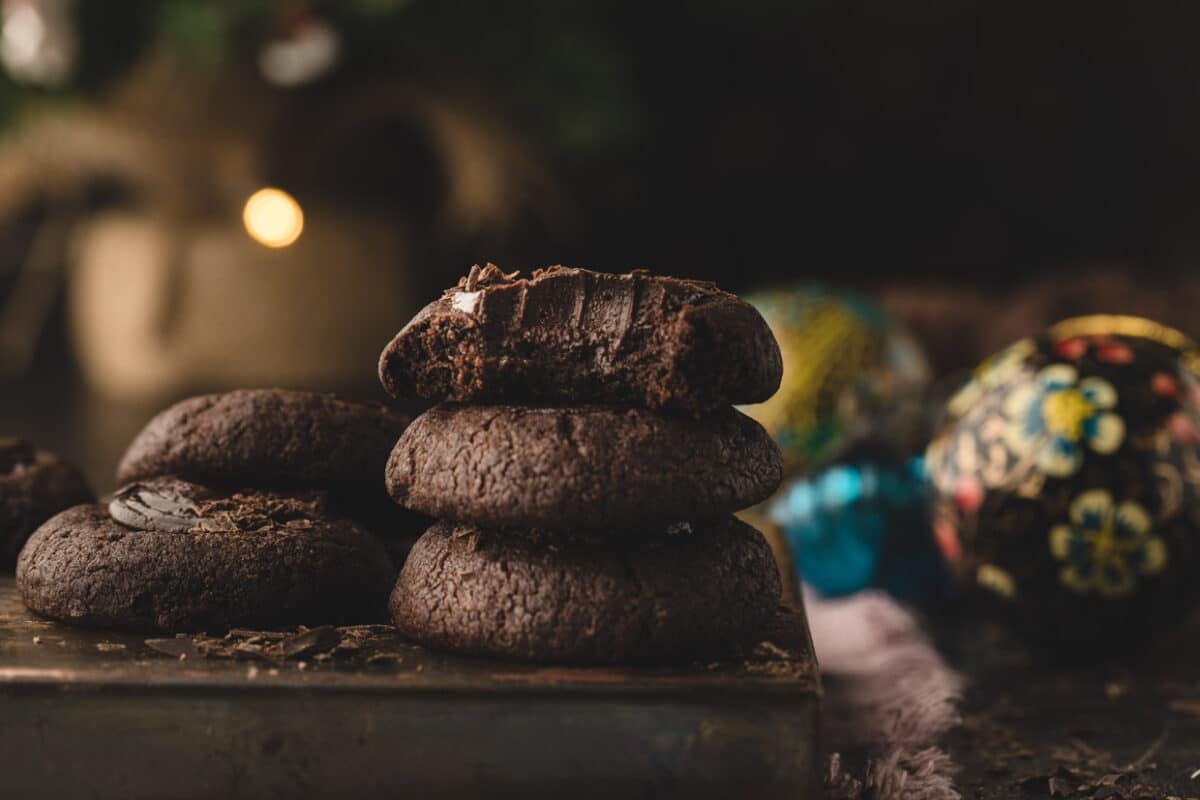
<point x="593" y="467"/>
<point x="266" y="437"/>
<point x="566" y="335"/>
<point x="668" y="596"/>
<point x="34" y="486"/>
<point x="166" y="555"/>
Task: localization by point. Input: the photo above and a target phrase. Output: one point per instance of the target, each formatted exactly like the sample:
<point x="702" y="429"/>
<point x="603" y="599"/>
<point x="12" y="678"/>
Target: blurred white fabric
<point x="889" y="698"/>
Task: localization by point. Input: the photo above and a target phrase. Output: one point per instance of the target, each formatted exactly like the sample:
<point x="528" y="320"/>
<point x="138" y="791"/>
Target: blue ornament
<point x="860" y="525"/>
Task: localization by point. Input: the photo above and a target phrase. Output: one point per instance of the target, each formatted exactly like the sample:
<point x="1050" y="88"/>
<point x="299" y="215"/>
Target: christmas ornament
<point x="861" y="524"/>
<point x="850" y="373"/>
<point x="1066" y="480"/>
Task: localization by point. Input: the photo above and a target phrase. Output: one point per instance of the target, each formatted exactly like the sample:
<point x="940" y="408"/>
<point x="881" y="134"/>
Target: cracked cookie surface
<point x="266" y="437"/>
<point x="592" y="467"/>
<point x="660" y="596"/>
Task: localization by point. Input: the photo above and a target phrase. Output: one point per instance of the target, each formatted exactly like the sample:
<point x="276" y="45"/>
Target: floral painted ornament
<point x="1106" y="546"/>
<point x="1057" y="415"/>
<point x="1066" y="482"/>
<point x="995" y="371"/>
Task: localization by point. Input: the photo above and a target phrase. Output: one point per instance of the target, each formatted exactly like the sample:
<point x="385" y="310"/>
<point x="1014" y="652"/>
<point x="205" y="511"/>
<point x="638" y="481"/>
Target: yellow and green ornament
<point x="850" y="373"/>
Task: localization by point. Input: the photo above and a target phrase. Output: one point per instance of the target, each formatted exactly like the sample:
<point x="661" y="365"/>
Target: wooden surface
<point x="1124" y="725"/>
<point x="102" y="713"/>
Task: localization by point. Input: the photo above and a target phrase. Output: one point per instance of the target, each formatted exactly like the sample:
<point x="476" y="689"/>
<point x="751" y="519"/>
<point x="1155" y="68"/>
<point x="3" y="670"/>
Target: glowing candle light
<point x="273" y="217"/>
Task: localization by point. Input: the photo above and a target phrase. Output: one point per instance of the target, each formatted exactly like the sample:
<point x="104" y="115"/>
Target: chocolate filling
<point x="170" y="505"/>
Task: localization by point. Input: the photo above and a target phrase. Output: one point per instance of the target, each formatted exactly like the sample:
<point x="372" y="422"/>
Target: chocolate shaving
<point x="248" y="650"/>
<point x="322" y="638"/>
<point x="257" y="511"/>
<point x="482" y="276"/>
<point x="1060" y="787"/>
<point x="159" y="505"/>
<point x="385" y="656"/>
<point x="175" y="506"/>
<point x="239" y="633"/>
<point x="318" y="644"/>
<point x="174" y="648"/>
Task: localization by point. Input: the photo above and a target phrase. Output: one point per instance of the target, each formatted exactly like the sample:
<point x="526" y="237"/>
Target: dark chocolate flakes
<point x="316" y="644"/>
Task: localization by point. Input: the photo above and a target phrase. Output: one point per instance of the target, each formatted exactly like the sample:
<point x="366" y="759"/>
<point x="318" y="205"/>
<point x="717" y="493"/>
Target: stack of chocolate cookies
<point x="584" y="464"/>
<point x="234" y="511"/>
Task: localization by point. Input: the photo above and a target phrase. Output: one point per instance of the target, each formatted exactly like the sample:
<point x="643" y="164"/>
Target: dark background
<point x="759" y="141"/>
<point x="975" y="142"/>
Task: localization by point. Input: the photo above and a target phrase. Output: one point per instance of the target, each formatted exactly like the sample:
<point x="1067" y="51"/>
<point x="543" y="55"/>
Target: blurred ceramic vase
<point x="158" y="306"/>
<point x="1067" y="482"/>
